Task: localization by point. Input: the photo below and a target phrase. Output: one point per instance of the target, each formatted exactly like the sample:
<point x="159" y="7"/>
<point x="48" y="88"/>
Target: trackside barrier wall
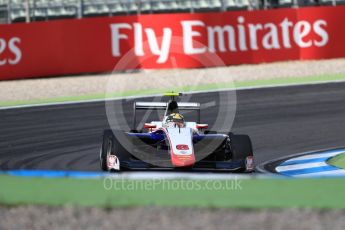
<point x="94" y="45"/>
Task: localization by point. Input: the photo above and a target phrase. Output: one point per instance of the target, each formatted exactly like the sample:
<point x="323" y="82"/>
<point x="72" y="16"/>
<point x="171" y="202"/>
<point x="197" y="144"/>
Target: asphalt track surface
<point x="281" y="121"/>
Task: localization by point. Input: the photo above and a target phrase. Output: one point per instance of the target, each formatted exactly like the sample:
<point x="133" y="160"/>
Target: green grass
<point x="250" y="193"/>
<point x="338" y="161"/>
<point x="205" y="87"/>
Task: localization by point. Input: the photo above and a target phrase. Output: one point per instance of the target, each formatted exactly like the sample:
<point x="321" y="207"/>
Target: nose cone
<point x="181" y="147"/>
<point x="182" y="161"/>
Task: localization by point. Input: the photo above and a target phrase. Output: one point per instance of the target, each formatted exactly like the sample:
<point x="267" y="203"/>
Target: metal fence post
<point x="33" y="11"/>
<point x="223" y="5"/>
<point x="257" y="4"/>
<point x="27" y="11"/>
<point x="250" y="6"/>
<point x="9" y="20"/>
<point x="138" y="4"/>
<point x="80" y="8"/>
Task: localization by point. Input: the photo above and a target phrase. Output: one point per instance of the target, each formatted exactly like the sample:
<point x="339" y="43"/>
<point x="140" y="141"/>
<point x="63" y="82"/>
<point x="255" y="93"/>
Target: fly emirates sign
<point x="235" y="37"/>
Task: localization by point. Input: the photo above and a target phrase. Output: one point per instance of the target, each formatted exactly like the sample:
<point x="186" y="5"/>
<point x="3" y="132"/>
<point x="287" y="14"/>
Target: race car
<point x="174" y="143"/>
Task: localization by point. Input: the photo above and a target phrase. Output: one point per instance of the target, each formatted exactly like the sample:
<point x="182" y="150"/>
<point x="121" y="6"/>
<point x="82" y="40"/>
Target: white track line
<point x="315" y="156"/>
<point x="145" y="96"/>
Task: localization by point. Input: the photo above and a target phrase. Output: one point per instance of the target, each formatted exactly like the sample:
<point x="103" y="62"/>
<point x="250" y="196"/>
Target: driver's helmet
<point x="174" y="120"/>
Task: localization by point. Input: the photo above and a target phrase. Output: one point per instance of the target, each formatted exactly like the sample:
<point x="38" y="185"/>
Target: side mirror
<point x="202" y="126"/>
<point x="150" y="126"/>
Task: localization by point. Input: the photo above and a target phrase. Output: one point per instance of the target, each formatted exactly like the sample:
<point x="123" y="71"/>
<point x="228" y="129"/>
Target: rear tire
<point x="210" y="132"/>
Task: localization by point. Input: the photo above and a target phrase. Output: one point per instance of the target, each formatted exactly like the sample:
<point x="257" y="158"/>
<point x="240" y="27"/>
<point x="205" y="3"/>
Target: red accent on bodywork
<point x="182" y="147"/>
<point x="202" y="126"/>
<point x="149" y="126"/>
<point x="182" y="161"/>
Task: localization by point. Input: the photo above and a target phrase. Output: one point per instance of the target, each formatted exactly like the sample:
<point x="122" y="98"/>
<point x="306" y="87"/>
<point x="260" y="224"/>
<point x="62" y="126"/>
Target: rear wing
<point x="191" y="106"/>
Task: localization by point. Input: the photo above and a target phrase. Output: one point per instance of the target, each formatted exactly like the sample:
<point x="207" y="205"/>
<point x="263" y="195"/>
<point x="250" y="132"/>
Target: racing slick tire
<point x="241" y="148"/>
<point x="111" y="145"/>
<point x="106" y="148"/>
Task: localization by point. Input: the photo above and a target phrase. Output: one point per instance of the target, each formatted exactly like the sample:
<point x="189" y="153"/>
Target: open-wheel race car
<point x="173" y="143"/>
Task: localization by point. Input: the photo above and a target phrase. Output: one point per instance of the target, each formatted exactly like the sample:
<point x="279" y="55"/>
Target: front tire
<point x="241" y="146"/>
<point x="106" y="148"/>
<point x="112" y="144"/>
<point x="241" y="149"/>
